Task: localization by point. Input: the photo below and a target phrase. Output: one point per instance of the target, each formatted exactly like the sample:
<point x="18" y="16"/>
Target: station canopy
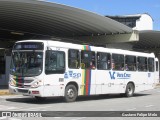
<point x="26" y="19"/>
<point x="149" y="40"/>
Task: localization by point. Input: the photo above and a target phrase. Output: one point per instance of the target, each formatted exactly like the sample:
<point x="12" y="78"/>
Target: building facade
<point x="136" y="22"/>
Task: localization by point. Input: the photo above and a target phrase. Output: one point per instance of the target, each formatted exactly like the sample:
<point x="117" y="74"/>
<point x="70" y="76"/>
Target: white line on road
<point x="131" y="109"/>
<point x="14" y="96"/>
<point x="149" y="106"/>
<point x="9" y="118"/>
<point x="14" y="119"/>
<point x="79" y="118"/>
<point x="4" y="107"/>
<point x="36" y="108"/>
<point x="3" y="118"/>
<point x="11" y="108"/>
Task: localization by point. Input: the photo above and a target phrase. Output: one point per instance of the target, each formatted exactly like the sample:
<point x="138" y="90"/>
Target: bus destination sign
<point x="29" y="46"/>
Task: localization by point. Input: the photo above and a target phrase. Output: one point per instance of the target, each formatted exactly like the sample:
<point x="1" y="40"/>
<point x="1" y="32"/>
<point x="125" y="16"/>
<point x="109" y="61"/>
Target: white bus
<point x="44" y="68"/>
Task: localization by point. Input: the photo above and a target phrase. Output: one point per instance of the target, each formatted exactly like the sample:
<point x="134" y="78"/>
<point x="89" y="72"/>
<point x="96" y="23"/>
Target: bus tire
<point x="129" y="90"/>
<point x="71" y="93"/>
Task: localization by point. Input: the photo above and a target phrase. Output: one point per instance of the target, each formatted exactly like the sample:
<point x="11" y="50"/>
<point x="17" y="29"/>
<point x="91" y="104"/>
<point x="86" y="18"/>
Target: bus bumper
<point x="26" y="91"/>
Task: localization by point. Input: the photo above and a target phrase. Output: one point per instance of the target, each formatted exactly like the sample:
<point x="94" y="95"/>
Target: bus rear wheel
<point x="71" y="93"/>
<point x="129" y="90"/>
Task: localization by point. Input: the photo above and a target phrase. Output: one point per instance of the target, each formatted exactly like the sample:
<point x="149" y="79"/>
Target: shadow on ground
<point x="31" y="100"/>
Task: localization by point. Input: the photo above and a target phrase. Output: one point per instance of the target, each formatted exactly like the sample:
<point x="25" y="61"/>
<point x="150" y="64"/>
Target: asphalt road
<point x="105" y="105"/>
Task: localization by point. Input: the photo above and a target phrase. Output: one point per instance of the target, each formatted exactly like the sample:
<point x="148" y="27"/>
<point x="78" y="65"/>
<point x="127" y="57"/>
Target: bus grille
<point x="22" y="91"/>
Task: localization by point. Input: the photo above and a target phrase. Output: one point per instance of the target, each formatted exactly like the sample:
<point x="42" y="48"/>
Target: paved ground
<point x="144" y="101"/>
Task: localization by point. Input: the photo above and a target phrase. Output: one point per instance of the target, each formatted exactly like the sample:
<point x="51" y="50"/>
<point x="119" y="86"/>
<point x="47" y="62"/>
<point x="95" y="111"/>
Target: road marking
<point x="3" y="118"/>
<point x="149" y="106"/>
<point x="14" y="96"/>
<point x="131" y="109"/>
<point x="44" y="110"/>
<point x="36" y="108"/>
<point x="14" y="119"/>
<point x="9" y="118"/>
<point x="79" y="118"/>
<point x="10" y="108"/>
<point x="4" y="107"/>
<point x="57" y="117"/>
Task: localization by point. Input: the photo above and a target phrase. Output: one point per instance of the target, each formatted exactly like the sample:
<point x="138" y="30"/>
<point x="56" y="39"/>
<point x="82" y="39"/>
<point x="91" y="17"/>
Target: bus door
<point x="88" y="66"/>
<point x="118" y="74"/>
<point x="102" y="81"/>
<point x="54" y="72"/>
<point x="152" y="74"/>
<point x="102" y="74"/>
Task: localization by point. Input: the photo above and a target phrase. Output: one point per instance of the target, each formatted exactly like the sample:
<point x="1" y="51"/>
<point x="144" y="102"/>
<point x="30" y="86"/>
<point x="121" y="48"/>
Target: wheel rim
<point x="130" y="90"/>
<point x="70" y="93"/>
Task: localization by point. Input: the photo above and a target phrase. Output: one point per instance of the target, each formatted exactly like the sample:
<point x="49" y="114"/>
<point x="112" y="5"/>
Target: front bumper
<point x="26" y="91"/>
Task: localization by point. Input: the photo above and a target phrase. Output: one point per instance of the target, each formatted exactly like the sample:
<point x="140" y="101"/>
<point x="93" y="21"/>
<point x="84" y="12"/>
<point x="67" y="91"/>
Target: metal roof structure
<point x="148" y="40"/>
<point x="32" y="17"/>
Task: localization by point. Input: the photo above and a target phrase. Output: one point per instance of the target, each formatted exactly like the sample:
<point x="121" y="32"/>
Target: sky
<point x="118" y="7"/>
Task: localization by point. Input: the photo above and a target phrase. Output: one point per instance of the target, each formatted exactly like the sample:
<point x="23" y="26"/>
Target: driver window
<point x="55" y="62"/>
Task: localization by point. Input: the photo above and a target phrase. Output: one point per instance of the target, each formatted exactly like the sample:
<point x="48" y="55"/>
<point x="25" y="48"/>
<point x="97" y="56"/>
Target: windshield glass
<point x="26" y="63"/>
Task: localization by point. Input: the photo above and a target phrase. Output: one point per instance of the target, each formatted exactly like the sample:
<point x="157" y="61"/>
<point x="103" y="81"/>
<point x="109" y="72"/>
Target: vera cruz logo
<point x="119" y="75"/>
<point x="112" y="74"/>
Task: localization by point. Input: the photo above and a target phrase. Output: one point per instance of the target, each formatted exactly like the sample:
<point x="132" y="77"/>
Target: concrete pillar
<point x="7" y="66"/>
<point x="2" y="67"/>
<point x="8" y="61"/>
<point x="158" y="56"/>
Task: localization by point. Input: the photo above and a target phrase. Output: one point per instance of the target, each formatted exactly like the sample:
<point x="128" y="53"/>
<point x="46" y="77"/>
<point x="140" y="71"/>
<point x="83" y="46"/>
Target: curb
<point x="157" y="86"/>
<point x="5" y="92"/>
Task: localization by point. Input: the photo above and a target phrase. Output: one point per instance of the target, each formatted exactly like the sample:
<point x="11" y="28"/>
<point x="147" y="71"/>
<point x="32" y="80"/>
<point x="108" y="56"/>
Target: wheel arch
<point x="73" y="83"/>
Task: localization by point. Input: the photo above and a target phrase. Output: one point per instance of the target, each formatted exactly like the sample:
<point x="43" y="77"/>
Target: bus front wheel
<point x="129" y="90"/>
<point x="71" y="93"/>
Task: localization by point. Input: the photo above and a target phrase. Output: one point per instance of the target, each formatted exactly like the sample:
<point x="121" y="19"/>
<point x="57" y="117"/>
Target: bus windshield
<point x="26" y="63"/>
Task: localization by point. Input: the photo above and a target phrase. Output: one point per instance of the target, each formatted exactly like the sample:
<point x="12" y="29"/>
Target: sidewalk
<point x="158" y="85"/>
<point x="4" y="90"/>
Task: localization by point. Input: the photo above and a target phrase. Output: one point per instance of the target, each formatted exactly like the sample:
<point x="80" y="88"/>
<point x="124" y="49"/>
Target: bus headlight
<point x="36" y="84"/>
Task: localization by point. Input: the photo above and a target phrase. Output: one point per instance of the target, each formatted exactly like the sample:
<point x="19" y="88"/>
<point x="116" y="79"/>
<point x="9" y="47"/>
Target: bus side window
<point x="103" y="61"/>
<point x="88" y="59"/>
<point x="151" y="64"/>
<point x="142" y="63"/>
<point x="118" y="62"/>
<point x="54" y="62"/>
<point x="157" y="65"/>
<point x="73" y="59"/>
<point x="130" y="63"/>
